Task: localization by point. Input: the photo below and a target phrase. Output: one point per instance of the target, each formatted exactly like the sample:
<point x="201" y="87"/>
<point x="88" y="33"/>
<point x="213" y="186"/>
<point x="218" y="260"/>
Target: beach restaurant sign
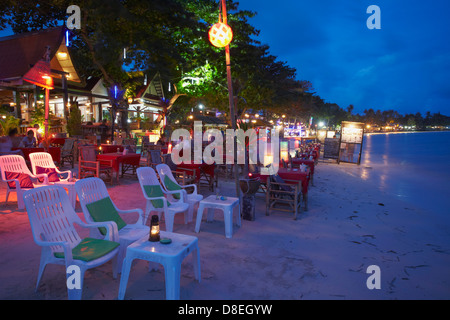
<point x="351" y="142"/>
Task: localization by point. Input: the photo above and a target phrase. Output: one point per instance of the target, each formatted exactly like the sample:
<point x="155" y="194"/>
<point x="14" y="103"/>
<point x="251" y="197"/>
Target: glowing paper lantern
<point x="220" y="35"/>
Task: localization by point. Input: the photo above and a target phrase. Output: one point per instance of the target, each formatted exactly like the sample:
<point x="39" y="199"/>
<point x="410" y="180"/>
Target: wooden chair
<point x="88" y="166"/>
<point x="130" y="144"/>
<point x="283" y="195"/>
<point x="154" y="157"/>
<point x="67" y="152"/>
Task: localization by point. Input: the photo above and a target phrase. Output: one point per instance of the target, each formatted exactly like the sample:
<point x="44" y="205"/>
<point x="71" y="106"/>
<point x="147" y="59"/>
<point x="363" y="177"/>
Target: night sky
<point x="404" y="66"/>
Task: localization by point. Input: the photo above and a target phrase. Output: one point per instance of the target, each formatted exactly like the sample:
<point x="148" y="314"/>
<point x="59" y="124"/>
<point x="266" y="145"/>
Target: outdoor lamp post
<point x="154" y="229"/>
<point x="220" y="35"/>
<point x="39" y="75"/>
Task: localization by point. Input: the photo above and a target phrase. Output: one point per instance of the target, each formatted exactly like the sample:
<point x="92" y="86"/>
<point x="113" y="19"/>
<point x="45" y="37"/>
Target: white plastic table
<point x="169" y="255"/>
<point x="226" y="205"/>
<point x="70" y="186"/>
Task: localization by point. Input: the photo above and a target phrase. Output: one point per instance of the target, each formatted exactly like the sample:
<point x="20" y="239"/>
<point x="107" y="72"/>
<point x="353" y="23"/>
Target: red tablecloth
<point x="27" y="151"/>
<point x="58" y="141"/>
<point x="56" y="153"/>
<point x="287" y="174"/>
<point x="110" y="148"/>
<point x="117" y="159"/>
<point x="198" y="168"/>
<point x="296" y="162"/>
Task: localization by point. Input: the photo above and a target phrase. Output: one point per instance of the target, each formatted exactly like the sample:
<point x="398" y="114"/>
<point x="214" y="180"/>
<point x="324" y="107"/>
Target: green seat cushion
<point x="154" y="192"/>
<point x="172" y="186"/>
<point x="104" y="210"/>
<point x="90" y="249"/>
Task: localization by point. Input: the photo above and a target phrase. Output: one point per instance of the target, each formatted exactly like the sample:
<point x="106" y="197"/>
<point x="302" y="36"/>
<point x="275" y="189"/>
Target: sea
<point x="413" y="166"/>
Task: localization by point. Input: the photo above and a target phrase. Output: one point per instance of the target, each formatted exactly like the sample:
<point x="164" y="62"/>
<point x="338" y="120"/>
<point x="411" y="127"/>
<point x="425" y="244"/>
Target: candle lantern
<point x="154" y="229"/>
<point x="220" y="35"/>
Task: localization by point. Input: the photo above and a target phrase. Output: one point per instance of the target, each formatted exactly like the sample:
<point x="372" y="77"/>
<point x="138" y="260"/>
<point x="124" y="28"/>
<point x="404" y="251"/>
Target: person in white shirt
<point x="6" y="143"/>
<point x="29" y="141"/>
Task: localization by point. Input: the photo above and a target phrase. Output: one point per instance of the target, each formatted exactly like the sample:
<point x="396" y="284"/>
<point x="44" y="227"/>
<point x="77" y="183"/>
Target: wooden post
<point x="65" y="96"/>
<point x="47" y="100"/>
<point x="231" y="101"/>
<point x="17" y="109"/>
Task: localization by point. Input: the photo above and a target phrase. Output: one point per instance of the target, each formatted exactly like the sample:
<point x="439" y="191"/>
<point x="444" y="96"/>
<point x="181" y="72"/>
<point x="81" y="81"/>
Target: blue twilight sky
<point x="404" y="66"/>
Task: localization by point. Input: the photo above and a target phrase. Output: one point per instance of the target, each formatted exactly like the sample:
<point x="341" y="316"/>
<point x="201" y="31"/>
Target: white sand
<point x="323" y="255"/>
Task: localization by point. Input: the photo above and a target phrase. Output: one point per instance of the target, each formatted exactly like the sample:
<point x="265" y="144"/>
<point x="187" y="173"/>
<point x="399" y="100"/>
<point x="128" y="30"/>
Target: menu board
<point x="352" y="132"/>
<point x="350" y="149"/>
<point x="331" y="148"/>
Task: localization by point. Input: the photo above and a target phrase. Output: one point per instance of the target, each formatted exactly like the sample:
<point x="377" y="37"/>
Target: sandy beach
<point x="349" y="226"/>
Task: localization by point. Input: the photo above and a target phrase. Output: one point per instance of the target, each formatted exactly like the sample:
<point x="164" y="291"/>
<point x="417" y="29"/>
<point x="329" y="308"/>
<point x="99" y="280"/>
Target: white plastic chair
<point x="90" y="190"/>
<point x="147" y="177"/>
<point x="44" y="160"/>
<point x="16" y="163"/>
<point x="52" y="220"/>
<point x="192" y="198"/>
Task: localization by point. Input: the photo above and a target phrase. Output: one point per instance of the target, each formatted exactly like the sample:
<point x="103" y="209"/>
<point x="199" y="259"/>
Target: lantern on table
<point x="154" y="229"/>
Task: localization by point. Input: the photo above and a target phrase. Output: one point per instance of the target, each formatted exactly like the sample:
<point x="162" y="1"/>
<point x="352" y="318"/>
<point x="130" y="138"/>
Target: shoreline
<point x="322" y="255"/>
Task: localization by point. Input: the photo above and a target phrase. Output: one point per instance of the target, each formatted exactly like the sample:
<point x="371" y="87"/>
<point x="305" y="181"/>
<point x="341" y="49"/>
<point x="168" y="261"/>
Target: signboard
<point x="352" y="134"/>
<point x="331" y="148"/>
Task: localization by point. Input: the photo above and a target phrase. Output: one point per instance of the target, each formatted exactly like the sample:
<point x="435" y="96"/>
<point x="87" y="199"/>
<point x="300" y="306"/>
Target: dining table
<point x="120" y="162"/>
<point x="202" y="170"/>
<point x="288" y="174"/>
<point x="111" y="148"/>
<point x="297" y="162"/>
<point x="54" y="151"/>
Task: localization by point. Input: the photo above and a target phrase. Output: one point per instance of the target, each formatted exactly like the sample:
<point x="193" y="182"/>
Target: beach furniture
<point x="97" y="206"/>
<point x="88" y="165"/>
<point x="67" y="152"/>
<point x="154" y="157"/>
<point x="52" y="220"/>
<point x="227" y="205"/>
<point x="175" y="190"/>
<point x="169" y="255"/>
<point x="156" y="198"/>
<point x="42" y="162"/>
<point x="15" y="173"/>
<point x="283" y="195"/>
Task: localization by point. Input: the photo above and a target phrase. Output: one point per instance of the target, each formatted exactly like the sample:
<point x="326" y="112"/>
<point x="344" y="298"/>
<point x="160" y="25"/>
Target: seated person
<point x="6" y="143"/>
<point x="29" y="141"/>
<point x="161" y="141"/>
<point x="38" y="135"/>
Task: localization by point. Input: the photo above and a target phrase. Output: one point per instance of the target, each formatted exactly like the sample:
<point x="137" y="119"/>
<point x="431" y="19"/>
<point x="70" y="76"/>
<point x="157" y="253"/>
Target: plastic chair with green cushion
<point x="156" y="198"/>
<point x="61" y="244"/>
<point x="170" y="184"/>
<point x="97" y="206"/>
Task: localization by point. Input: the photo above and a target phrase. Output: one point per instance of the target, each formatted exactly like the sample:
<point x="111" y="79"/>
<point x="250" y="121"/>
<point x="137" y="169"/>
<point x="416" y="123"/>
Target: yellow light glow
<point x="220" y="35"/>
<point x="256" y="115"/>
<point x="62" y="55"/>
<point x="283" y="116"/>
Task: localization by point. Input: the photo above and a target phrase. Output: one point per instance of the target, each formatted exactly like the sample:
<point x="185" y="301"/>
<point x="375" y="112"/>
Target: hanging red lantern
<point x="220" y="35"/>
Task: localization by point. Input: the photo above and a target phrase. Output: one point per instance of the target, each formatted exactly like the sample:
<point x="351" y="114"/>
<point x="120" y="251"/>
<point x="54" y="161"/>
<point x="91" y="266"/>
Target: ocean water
<point x="412" y="166"/>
